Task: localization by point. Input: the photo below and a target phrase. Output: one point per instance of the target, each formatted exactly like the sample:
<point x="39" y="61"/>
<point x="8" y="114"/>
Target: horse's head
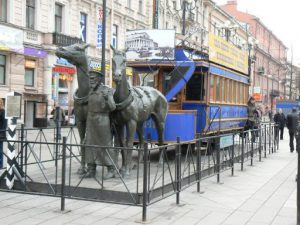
<point x="118" y="65"/>
<point x="75" y="53"/>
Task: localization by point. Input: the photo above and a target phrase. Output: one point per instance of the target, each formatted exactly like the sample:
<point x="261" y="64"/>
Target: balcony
<point x="64" y="40"/>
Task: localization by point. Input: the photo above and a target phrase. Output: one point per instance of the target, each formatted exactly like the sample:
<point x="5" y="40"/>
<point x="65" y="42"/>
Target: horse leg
<point x="81" y="125"/>
<point x="131" y="128"/>
<point x="140" y="132"/>
<point x="160" y="126"/>
<point x="120" y="143"/>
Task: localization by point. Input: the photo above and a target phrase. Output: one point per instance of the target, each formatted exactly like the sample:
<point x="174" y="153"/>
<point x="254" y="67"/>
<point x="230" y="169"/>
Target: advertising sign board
<point x="150" y="44"/>
<point x="226" y="54"/>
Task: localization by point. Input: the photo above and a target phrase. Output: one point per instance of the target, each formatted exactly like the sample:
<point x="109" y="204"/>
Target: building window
<point x="29" y="72"/>
<point x="83" y="24"/>
<point x="140" y="6"/>
<point x="115" y="36"/>
<point x="2" y="69"/>
<point x="29" y="77"/>
<point x="58" y="18"/>
<point x="30" y="13"/>
<point x="129" y="3"/>
<point x="3" y="10"/>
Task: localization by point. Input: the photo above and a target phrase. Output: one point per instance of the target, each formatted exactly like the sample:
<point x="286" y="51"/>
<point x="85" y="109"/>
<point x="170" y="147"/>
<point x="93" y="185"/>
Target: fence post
<point x="260" y="144"/>
<point x="63" y="175"/>
<point x="265" y="144"/>
<point x="145" y="179"/>
<point x="22" y="146"/>
<point x="242" y="155"/>
<point x="297" y="179"/>
<point x="217" y="144"/>
<point x="178" y="172"/>
<point x="252" y="149"/>
<point x="278" y="138"/>
<point x="269" y="138"/>
<point x="232" y="155"/>
<point x="198" y="162"/>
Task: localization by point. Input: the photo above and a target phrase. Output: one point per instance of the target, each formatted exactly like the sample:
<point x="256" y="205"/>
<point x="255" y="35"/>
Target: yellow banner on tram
<point x="226" y="54"/>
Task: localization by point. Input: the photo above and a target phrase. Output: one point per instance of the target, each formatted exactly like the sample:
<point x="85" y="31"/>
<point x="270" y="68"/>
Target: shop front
<point x="63" y="85"/>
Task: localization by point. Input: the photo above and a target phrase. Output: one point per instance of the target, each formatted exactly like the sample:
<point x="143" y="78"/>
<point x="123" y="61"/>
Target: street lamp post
<point x="185" y="5"/>
<point x="272" y="93"/>
<point x="103" y="39"/>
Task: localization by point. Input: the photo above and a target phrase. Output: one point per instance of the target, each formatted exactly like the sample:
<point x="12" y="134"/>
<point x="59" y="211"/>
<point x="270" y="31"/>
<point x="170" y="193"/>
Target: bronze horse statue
<point x="76" y="55"/>
<point x="133" y="107"/>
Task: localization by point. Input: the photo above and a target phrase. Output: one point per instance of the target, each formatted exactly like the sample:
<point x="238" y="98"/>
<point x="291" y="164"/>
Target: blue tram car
<point x="204" y="97"/>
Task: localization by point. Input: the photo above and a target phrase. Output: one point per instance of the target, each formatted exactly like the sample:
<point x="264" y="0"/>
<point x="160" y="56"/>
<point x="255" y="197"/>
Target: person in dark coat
<point x="292" y="124"/>
<point x="3" y="124"/>
<point x="280" y="121"/>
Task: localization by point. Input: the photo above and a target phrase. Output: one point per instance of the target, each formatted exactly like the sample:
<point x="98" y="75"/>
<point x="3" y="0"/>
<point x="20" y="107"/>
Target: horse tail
<point x="159" y="115"/>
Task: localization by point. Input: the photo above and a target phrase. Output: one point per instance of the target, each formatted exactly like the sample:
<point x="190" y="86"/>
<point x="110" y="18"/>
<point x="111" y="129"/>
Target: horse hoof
<point x="90" y="174"/>
<point x="124" y="173"/>
<point x="81" y="170"/>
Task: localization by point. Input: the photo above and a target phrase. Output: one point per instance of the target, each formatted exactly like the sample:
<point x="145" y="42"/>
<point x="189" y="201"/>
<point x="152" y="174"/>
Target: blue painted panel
<point x="233" y="111"/>
<point x="181" y="125"/>
<point x="227" y="125"/>
<point x="201" y="114"/>
<point x="214" y="112"/>
<point x="229" y="74"/>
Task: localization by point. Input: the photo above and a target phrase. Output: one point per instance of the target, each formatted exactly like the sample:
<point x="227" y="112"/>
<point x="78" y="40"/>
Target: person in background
<point x="292" y="124"/>
<point x="58" y="118"/>
<point x="280" y="121"/>
<point x="3" y="125"/>
<point x="252" y="117"/>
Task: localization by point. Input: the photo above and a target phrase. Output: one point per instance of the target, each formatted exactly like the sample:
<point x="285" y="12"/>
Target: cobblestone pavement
<point x="261" y="194"/>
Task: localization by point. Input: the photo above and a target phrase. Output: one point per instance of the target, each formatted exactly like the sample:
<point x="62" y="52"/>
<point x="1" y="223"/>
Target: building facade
<point x="270" y="67"/>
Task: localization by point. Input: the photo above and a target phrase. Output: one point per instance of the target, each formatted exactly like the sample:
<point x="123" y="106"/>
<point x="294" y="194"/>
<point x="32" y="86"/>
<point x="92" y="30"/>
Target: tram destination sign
<point x="226" y="54"/>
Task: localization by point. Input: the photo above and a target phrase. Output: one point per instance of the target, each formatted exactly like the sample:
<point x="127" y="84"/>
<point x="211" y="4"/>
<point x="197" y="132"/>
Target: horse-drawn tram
<point x="204" y="97"/>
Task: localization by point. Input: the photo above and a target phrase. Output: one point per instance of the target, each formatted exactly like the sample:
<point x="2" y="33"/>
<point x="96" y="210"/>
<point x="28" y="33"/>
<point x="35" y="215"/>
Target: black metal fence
<point x="48" y="165"/>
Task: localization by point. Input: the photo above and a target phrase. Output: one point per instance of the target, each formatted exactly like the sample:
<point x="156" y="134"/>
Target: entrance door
<point x="29" y="114"/>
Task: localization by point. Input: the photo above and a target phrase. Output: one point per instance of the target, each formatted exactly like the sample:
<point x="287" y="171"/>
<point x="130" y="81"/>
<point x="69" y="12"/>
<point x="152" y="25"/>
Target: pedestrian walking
<point x="292" y="124"/>
<point x="59" y="118"/>
<point x="280" y="122"/>
<point x="3" y="124"/>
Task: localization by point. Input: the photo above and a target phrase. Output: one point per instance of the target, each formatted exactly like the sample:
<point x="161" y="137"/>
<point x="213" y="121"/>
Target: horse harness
<point x="138" y="90"/>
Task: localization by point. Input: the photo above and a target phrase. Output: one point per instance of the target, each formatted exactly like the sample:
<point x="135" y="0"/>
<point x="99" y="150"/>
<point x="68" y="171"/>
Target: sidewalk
<point x="261" y="194"/>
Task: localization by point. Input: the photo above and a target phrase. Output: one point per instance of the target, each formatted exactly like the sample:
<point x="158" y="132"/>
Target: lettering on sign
<point x="62" y="69"/>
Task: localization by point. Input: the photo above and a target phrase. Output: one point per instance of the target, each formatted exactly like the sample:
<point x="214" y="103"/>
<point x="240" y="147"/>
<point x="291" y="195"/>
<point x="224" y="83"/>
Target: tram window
<point x="242" y="93"/>
<point x="238" y="99"/>
<point x="211" y="87"/>
<point x="195" y="88"/>
<point x="222" y="80"/>
<point x="167" y="78"/>
<point x="235" y="91"/>
<point x="232" y="91"/>
<point x="217" y="89"/>
<point x="228" y="91"/>
<point x="246" y="94"/>
<point x="146" y="79"/>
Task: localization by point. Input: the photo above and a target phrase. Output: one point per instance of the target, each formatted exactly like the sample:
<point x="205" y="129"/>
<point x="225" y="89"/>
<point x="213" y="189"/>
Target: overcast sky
<point x="281" y="17"/>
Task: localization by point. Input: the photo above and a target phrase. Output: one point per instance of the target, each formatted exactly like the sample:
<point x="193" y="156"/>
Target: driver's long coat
<point x="98" y="131"/>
